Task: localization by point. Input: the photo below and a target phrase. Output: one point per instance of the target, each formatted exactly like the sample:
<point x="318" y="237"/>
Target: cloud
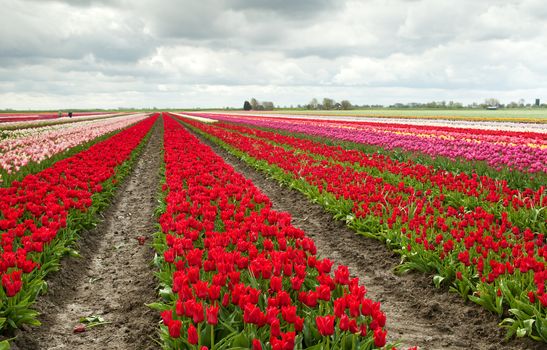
<point x="214" y="52"/>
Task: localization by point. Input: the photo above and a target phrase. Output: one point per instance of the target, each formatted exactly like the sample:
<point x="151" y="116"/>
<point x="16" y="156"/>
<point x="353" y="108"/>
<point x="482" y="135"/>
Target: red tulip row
<point x="236" y="273"/>
<point x="485" y="256"/>
<point x="492" y="134"/>
<point x="484" y="188"/>
<point x="523" y="208"/>
<point x="41" y="215"/>
<point x="522" y="152"/>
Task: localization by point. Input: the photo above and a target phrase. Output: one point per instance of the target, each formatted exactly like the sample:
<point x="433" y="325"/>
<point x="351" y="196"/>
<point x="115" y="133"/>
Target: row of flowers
<point x="22" y="147"/>
<point x="237" y="274"/>
<point x="8" y="118"/>
<point x="523" y="151"/>
<point x="478" y="119"/>
<point x="36" y="123"/>
<point x="40" y="217"/>
<point x="523" y="206"/>
<point x="483" y="256"/>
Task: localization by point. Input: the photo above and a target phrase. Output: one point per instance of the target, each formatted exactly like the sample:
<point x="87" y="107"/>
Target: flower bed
<point x="26" y="117"/>
<point x="523" y="206"/>
<point x="523" y="151"/>
<point x="236" y="273"/>
<point x="483" y="255"/>
<point x="40" y="217"/>
<point x="26" y="147"/>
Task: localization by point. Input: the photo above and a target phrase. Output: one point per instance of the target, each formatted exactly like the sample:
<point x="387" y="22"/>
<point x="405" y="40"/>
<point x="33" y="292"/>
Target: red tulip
<point x="325" y="325"/>
<point x="192" y="335"/>
<point x="174" y="328"/>
<point x="379" y="337"/>
<point x="212" y="315"/>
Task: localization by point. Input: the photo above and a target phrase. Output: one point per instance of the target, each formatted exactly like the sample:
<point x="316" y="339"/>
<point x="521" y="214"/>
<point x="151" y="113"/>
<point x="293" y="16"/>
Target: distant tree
<point x="254" y="103"/>
<point x="328" y="103"/>
<point x="268" y="106"/>
<point x="346" y="104"/>
<point x="247" y="106"/>
<point x="313" y="104"/>
<point x="491" y="102"/>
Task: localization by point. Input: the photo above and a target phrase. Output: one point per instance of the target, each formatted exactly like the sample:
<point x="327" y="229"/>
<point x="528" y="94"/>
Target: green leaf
<point x="521" y="332"/>
<point x="529" y="324"/>
<point x="241" y="341"/>
<point x="438" y="280"/>
<point x="166" y="292"/>
<point x="73" y="253"/>
<point x="93" y="321"/>
<point x="519" y="313"/>
<point x="158" y="306"/>
<point x="541" y="328"/>
<point x="4" y="345"/>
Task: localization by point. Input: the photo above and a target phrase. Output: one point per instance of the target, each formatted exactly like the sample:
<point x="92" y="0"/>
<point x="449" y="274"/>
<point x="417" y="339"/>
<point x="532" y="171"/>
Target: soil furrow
<point x="417" y="312"/>
<point x="113" y="278"/>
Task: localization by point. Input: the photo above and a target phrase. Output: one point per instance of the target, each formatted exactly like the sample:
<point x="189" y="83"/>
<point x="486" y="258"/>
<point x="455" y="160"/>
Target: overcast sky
<point x="213" y="53"/>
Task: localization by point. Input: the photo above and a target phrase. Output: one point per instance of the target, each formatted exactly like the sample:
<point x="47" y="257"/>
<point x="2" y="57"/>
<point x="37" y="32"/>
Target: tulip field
<point x="465" y="207"/>
<point x="35" y="118"/>
<point x="231" y="260"/>
<point x="42" y="214"/>
<point x="25" y="147"/>
<point x="478" y="235"/>
<point x="524" y="151"/>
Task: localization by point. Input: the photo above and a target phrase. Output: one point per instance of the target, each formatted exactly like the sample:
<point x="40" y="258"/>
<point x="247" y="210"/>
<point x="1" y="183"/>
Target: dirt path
<point x="417" y="313"/>
<point x="113" y="278"/>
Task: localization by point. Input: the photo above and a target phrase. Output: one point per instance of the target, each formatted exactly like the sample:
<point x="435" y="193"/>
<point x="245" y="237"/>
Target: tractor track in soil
<point x="417" y="313"/>
<point x="113" y="278"/>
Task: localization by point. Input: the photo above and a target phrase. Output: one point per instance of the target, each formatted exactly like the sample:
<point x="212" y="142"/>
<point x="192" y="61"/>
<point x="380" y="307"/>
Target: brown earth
<point x="113" y="278"/>
<point x="417" y="313"/>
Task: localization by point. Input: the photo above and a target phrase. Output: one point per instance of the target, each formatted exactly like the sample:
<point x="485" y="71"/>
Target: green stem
<point x="199" y="335"/>
<point x="212" y="337"/>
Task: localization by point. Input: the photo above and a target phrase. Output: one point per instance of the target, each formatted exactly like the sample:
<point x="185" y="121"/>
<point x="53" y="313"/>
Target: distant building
<point x="537" y="102"/>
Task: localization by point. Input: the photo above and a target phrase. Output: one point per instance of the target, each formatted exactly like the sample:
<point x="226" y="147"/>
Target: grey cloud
<point x="59" y="32"/>
<point x="289" y="8"/>
<point x="168" y="49"/>
<point x="81" y="3"/>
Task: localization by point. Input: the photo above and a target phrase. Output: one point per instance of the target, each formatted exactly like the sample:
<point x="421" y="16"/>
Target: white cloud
<point x="217" y="53"/>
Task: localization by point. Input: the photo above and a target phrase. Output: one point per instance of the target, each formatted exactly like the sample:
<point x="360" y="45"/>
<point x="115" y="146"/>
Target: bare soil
<point x="113" y="278"/>
<point x="418" y="314"/>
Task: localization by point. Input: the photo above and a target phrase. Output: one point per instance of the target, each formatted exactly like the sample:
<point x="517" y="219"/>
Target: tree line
<point x="314" y="104"/>
<point x="328" y="103"/>
<point x="487" y="103"/>
<point x="331" y="104"/>
<point x="255" y="105"/>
